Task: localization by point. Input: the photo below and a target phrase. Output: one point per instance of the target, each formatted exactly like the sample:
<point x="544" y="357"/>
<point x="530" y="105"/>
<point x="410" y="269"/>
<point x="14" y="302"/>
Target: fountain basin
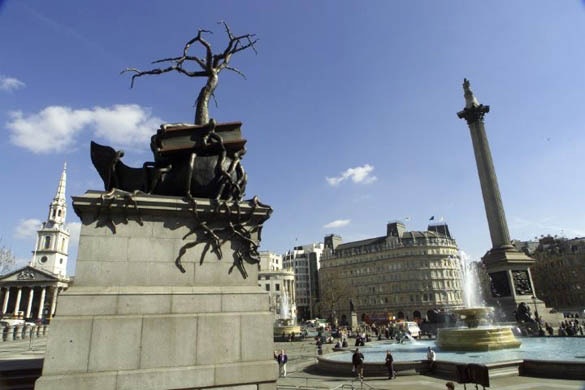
<point x="561" y="357"/>
<point x="279" y="330"/>
<point x="286" y="327"/>
<point x="476" y="339"/>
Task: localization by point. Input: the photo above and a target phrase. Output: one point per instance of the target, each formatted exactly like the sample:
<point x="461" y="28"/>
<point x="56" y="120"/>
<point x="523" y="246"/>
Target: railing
<point x="354" y="385"/>
<point x="23" y="332"/>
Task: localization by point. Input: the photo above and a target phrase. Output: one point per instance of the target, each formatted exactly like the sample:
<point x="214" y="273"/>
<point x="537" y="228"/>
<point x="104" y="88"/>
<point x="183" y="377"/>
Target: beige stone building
<point x="401" y="275"/>
<point x="559" y="271"/>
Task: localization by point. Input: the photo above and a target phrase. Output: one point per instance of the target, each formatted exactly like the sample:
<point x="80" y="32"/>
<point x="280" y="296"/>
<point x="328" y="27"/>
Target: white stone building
<point x="305" y="261"/>
<point x="280" y="285"/>
<point x="31" y="292"/>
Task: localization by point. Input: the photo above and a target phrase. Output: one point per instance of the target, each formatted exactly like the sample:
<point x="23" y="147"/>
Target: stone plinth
<point x="134" y="320"/>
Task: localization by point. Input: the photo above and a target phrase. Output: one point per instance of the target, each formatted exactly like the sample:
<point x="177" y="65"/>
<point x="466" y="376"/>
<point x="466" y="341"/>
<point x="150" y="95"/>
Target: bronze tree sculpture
<point x="194" y="161"/>
<point x="209" y="66"/>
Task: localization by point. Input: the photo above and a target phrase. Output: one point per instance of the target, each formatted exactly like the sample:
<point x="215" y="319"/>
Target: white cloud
<point x="337" y="223"/>
<point x="357" y="175"/>
<point x="27" y="228"/>
<point x="125" y="124"/>
<point x="10" y="84"/>
<point x="55" y="128"/>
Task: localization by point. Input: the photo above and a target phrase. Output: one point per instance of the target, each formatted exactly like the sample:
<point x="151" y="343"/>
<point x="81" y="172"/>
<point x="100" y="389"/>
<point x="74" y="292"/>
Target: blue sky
<point x="349" y="108"/>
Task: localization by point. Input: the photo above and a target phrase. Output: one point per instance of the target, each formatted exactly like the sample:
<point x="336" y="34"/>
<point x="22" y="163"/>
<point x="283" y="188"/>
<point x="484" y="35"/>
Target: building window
<point x="277" y="287"/>
<point x="47" y="242"/>
<point x="61" y="261"/>
<point x="267" y="287"/>
<point x="43" y="259"/>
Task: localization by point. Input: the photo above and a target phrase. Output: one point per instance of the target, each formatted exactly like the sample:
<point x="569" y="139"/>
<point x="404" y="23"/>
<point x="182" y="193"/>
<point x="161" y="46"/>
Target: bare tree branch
<point x="7" y="259"/>
<point x="211" y="65"/>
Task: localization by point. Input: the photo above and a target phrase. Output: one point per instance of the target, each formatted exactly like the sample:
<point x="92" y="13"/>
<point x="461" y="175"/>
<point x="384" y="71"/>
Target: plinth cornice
<point x="120" y="202"/>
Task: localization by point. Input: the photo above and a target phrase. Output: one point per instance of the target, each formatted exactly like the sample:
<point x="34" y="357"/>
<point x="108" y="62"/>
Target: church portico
<point x="33" y="300"/>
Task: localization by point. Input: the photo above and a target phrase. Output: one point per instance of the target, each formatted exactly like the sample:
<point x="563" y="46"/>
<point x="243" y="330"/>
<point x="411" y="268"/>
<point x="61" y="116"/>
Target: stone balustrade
<point x="23" y="332"/>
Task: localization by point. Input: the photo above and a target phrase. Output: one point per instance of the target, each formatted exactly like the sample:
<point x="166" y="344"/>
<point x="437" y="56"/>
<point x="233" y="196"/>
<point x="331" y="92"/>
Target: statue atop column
<point x="470" y="100"/>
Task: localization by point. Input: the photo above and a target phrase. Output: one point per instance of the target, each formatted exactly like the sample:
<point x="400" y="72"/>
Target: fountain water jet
<point x="285" y="325"/>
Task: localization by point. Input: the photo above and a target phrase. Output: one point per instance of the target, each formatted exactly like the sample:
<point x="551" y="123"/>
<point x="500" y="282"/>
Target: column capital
<point x="474" y="113"/>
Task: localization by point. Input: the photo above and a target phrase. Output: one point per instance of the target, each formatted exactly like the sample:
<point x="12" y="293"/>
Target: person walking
<point x="358" y="363"/>
<point x="390" y="365"/>
<point x="282" y="359"/>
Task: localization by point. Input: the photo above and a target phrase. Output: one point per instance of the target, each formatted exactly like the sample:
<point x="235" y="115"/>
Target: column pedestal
<point x="133" y="320"/>
<point x="511" y="284"/>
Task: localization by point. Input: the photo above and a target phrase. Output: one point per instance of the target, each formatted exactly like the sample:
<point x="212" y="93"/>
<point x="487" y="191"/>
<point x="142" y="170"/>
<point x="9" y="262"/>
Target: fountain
<point x="475" y="337"/>
<point x="478" y="334"/>
<point x="285" y="325"/>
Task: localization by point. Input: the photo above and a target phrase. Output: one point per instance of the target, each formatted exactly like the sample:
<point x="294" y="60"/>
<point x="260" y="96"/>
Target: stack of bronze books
<point x="177" y="139"/>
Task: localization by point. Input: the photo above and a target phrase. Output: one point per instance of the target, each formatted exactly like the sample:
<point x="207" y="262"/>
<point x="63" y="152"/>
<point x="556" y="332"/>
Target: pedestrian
<point x="450" y="385"/>
<point x="390" y="365"/>
<point x="282" y="360"/>
<point x="431" y="356"/>
<point x="358" y="363"/>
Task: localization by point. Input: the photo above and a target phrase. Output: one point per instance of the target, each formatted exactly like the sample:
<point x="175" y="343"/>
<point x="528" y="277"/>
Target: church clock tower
<point x="52" y="246"/>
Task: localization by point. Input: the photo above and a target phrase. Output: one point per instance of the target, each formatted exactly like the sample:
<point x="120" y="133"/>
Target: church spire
<point x="52" y="247"/>
<point x="58" y="207"/>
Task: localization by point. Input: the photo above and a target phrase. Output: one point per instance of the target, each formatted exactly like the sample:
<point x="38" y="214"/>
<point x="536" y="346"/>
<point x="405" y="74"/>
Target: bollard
<point x="28" y="331"/>
<point x="5" y="332"/>
<point x="18" y="333"/>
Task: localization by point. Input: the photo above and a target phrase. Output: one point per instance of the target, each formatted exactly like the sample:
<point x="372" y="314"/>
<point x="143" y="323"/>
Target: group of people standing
<point x="357" y="360"/>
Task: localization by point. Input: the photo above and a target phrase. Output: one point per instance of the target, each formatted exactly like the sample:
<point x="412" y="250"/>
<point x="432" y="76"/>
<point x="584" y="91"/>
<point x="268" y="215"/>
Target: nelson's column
<point x="508" y="268"/>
